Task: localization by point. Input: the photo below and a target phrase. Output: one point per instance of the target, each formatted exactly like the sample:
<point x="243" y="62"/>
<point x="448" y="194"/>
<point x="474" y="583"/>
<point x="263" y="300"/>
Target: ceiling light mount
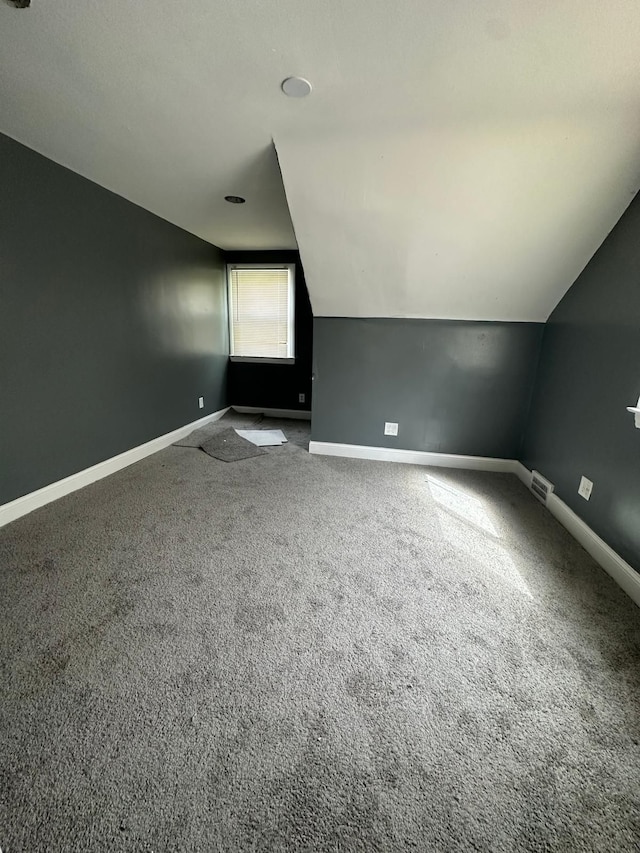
<point x="19" y="4"/>
<point x="296" y="87"/>
<point x="235" y="199"/>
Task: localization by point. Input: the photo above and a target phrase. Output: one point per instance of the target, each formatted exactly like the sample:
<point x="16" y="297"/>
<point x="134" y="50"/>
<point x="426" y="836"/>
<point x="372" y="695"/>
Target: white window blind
<point x="261" y="312"/>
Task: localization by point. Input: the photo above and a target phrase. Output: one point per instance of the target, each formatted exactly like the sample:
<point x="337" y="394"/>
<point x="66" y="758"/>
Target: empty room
<point x="319" y="426"/>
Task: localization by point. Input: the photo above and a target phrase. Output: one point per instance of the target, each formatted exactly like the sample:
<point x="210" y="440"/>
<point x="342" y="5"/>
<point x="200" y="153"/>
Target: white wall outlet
<point x="585" y="488"/>
<point x="390" y="429"/>
<point x="201" y="402"/>
<point x="302" y="398"/>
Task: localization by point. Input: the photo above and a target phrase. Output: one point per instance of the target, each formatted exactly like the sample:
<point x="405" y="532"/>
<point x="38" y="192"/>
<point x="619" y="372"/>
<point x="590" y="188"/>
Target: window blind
<point x="261" y="313"/>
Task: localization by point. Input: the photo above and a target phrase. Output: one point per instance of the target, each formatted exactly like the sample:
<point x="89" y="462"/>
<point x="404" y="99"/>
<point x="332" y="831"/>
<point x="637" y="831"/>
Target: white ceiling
<point x="456" y="159"/>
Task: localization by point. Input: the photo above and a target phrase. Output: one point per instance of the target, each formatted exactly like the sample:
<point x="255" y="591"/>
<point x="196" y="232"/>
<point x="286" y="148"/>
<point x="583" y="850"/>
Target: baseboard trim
<point x="522" y="473"/>
<point x="27" y="503"/>
<point x="603" y="554"/>
<point x="295" y="414"/>
<point x="412" y="457"/>
<point x="613" y="564"/>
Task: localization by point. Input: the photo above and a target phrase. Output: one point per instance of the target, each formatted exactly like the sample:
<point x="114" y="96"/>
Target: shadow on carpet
<point x="228" y="446"/>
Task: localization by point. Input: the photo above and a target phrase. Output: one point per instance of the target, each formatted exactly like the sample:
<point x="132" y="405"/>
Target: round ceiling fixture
<point x="296" y="87"/>
<point x="235" y="199"/>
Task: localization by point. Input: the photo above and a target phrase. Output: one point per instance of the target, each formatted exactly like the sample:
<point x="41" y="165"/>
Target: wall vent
<point x="540" y="487"/>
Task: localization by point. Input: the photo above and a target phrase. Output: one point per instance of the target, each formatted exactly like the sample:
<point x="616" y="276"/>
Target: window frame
<point x="291" y="319"/>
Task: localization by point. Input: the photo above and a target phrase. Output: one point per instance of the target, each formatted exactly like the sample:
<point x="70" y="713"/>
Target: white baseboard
<point x="613" y="564"/>
<point x="522" y="473"/>
<point x="21" y="506"/>
<point x="412" y="457"/>
<point x="603" y="554"/>
<point x="295" y="414"/>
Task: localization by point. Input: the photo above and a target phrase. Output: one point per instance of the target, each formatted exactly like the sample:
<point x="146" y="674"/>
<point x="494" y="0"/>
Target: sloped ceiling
<point x="456" y="159"/>
<point x="461" y="220"/>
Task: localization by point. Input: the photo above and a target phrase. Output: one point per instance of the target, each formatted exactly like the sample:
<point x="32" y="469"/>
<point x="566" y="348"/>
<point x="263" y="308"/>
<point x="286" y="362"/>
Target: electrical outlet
<point x="390" y="429"/>
<point x="585" y="488"/>
<point x="201" y="402"/>
<point x="302" y="398"/>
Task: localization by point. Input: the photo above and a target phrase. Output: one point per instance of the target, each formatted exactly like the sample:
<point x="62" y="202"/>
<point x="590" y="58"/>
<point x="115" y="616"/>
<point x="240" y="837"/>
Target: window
<point x="261" y="312"/>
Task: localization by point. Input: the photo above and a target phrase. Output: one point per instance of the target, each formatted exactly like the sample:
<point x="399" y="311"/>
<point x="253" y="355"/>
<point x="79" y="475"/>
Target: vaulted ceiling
<point x="455" y="159"/>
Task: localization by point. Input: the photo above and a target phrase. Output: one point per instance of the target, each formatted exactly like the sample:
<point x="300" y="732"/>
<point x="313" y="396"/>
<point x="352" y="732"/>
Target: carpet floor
<point x="303" y="653"/>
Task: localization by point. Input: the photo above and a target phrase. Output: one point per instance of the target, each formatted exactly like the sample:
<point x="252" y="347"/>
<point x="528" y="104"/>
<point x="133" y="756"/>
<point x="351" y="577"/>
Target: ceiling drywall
<point x="464" y="220"/>
<point x="455" y="159"/>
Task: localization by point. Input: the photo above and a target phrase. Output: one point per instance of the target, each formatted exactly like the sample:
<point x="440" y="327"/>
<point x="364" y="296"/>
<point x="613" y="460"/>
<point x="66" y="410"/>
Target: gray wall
<point x="589" y="372"/>
<point x="453" y="386"/>
<point x="112" y="323"/>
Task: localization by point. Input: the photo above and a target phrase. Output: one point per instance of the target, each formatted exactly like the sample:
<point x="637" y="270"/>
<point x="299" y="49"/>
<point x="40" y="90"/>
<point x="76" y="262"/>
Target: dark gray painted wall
<point x="277" y="386"/>
<point x="589" y="372"/>
<point x="112" y="323"/>
<point x="453" y="386"/>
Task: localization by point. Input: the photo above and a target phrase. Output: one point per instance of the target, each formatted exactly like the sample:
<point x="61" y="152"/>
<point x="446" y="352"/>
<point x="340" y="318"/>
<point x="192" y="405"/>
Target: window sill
<point x="247" y="359"/>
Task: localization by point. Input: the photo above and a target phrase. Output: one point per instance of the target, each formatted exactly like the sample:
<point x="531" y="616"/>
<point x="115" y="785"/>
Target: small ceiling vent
<point x="540" y="487"/>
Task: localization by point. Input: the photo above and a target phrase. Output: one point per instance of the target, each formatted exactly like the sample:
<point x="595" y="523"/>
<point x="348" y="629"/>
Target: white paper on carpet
<point x="263" y="437"/>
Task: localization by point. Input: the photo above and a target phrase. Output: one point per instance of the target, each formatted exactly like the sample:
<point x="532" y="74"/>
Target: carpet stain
<point x="163" y="630"/>
<point x="392" y="604"/>
<point x="259" y="618"/>
<point x="367" y="691"/>
<point x="48" y="566"/>
<point x="55" y="660"/>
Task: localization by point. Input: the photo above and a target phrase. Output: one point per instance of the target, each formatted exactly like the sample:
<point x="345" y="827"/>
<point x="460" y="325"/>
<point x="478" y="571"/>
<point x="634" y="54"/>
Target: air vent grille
<point x="540" y="487"/>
